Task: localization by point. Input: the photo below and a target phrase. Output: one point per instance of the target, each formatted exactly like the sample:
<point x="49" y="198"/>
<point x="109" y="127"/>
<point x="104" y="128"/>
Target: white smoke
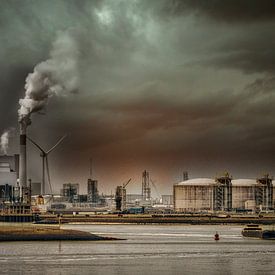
<point x="4" y="140"/>
<point x="55" y="76"/>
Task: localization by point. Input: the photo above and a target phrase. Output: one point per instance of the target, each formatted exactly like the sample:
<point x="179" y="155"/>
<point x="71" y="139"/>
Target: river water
<point x="149" y="249"/>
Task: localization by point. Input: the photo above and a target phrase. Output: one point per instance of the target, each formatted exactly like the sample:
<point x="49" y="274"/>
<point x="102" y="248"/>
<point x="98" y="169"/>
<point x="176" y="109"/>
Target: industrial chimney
<point x="23" y="154"/>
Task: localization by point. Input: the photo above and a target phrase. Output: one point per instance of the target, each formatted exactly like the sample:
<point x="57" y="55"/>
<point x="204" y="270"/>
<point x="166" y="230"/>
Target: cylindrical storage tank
<point x="243" y="190"/>
<point x="250" y="205"/>
<point x="194" y="195"/>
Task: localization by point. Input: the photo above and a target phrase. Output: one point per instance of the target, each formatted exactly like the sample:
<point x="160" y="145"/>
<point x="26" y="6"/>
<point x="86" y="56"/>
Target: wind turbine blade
<point x="153" y="183"/>
<point x="48" y="174"/>
<point x="58" y="142"/>
<point x="35" y="144"/>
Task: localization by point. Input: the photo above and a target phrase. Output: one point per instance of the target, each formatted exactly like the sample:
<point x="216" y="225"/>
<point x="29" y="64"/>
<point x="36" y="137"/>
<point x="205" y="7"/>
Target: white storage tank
<point x="193" y="195"/>
<point x="243" y="190"/>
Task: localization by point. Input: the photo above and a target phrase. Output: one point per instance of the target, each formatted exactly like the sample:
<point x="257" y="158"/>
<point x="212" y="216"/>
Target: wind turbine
<point x="155" y="187"/>
<point x="45" y="164"/>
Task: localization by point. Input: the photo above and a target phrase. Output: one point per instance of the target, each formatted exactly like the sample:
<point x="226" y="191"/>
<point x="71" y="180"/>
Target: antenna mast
<point x="91" y="168"/>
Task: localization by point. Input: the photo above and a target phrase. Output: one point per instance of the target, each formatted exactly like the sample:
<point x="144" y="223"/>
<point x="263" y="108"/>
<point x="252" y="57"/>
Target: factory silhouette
<point x="21" y="198"/>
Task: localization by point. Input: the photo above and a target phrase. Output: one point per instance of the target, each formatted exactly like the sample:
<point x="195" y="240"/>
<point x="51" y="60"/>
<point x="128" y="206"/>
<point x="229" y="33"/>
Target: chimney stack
<point x="23" y="154"/>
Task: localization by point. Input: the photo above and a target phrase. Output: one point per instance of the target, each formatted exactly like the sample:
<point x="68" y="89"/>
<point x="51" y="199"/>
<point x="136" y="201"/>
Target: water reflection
<point x="149" y="249"/>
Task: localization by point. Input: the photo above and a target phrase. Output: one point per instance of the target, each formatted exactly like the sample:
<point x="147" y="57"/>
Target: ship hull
<point x="252" y="233"/>
<point x="268" y="234"/>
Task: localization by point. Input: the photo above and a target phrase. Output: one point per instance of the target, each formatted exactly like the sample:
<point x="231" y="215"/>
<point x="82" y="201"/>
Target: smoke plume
<point x="55" y="76"/>
<point x="4" y="140"/>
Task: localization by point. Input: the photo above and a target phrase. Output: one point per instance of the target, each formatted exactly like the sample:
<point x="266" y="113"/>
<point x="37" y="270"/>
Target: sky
<point x="162" y="85"/>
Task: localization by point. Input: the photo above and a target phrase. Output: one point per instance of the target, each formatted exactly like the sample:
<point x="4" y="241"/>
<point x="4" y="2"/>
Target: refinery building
<point x="224" y="194"/>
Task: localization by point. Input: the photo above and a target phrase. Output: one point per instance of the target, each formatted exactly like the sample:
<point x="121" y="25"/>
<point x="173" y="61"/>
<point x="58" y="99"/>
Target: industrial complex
<point x="19" y="196"/>
<point x="222" y="194"/>
<point x="198" y="195"/>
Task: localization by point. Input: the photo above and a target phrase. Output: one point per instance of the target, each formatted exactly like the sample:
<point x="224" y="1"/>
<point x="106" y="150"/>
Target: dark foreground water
<point x="149" y="249"/>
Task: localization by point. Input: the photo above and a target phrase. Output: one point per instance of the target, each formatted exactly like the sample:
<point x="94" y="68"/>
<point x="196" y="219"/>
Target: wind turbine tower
<point x="45" y="163"/>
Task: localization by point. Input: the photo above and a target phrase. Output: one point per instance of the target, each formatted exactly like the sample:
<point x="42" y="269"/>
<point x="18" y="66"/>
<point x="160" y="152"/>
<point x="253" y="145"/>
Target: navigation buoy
<point x="217" y="236"/>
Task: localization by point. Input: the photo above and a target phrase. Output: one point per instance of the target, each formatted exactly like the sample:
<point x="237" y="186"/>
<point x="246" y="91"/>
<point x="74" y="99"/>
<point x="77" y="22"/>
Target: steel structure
<point x="146" y="190"/>
<point x="185" y="175"/>
<point x="264" y="193"/>
<point x="92" y="191"/>
<point x="120" y="196"/>
<point x="222" y="193"/>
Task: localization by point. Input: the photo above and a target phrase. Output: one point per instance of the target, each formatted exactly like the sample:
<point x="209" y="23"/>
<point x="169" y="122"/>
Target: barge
<point x="252" y="231"/>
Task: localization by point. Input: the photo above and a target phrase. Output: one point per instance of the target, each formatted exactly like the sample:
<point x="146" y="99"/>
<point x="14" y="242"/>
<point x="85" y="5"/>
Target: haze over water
<point x="149" y="249"/>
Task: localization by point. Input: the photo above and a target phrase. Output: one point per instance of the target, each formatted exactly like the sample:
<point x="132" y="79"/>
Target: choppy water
<point x="149" y="249"/>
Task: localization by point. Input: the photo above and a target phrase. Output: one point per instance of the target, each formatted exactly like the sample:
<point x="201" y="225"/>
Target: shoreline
<point x="34" y="233"/>
<point x="167" y="220"/>
<point x="52" y="219"/>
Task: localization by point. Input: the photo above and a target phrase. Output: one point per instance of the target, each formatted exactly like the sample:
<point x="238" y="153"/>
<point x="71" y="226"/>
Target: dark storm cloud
<point x="169" y="85"/>
<point x="226" y="10"/>
<point x="237" y="34"/>
<point x="250" y="51"/>
<point x="262" y="86"/>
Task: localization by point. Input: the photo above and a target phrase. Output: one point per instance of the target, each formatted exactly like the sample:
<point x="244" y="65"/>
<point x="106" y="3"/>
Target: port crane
<point x="125" y="184"/>
<point x="120" y="197"/>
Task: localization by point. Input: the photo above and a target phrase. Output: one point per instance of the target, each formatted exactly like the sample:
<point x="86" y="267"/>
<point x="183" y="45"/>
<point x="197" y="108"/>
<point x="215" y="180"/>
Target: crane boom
<point x="125" y="184"/>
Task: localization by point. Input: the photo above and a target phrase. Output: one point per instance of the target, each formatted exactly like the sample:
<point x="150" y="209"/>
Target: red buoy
<point x="216" y="237"/>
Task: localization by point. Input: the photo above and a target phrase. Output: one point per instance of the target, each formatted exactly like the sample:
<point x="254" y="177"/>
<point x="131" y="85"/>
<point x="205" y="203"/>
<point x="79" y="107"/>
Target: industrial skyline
<point x="165" y="86"/>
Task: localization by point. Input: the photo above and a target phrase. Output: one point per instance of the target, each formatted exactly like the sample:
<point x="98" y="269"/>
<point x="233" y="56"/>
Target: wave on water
<point x="64" y="258"/>
<point x="198" y="235"/>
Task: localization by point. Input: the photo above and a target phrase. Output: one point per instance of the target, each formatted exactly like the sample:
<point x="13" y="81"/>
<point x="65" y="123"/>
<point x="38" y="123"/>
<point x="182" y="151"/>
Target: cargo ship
<point x="252" y="231"/>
